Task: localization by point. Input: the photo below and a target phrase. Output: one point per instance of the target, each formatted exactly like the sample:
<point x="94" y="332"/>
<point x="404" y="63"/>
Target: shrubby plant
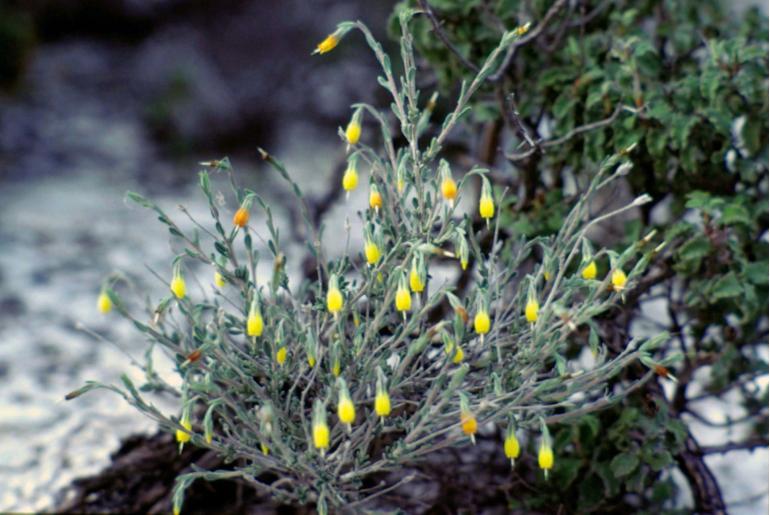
<point x="310" y="389"/>
<point x="685" y="84"/>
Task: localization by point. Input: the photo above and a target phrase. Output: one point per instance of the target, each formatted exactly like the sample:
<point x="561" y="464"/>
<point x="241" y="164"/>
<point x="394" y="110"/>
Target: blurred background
<point x="104" y="96"/>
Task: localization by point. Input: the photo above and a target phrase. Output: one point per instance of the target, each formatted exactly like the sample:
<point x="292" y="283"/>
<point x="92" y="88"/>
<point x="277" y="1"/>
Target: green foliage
<point x="681" y="89"/>
<point x="262" y="363"/>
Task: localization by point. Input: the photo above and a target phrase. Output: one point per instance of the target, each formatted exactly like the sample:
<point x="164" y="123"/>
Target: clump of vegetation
<point x="311" y="388"/>
<point x="684" y="86"/>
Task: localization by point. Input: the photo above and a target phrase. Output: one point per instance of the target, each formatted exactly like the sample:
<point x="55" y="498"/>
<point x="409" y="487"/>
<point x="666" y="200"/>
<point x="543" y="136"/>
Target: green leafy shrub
<point x="310" y="389"/>
<point x="684" y="87"/>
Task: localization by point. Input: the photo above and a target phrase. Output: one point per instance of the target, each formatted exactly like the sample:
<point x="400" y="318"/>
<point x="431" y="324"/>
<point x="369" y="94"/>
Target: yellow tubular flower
<point x="219" y="280"/>
<point x="178" y="286"/>
<point x="375" y="198"/>
<point x="334" y="299"/>
<point x="403" y="300"/>
<point x="547" y="275"/>
<point x="469" y="424"/>
<point x="459" y="355"/>
<point x="241" y="217"/>
<point x="589" y="271"/>
<point x="486" y="207"/>
<point x="311" y="360"/>
<point x="265" y="449"/>
<point x="382" y="404"/>
<point x="372" y="252"/>
<point x="481" y="322"/>
<point x="350" y="179"/>
<point x="530" y="311"/>
<point x="353" y="132"/>
<point x="103" y="303"/>
<point x="182" y="436"/>
<point x="327" y="45"/>
<point x="321" y="435"/>
<point x="336" y="368"/>
<point x="255" y="324"/>
<point x="545" y="458"/>
<point x="511" y="447"/>
<point x="280" y="356"/>
<point x="346" y="411"/>
<point x="619" y="279"/>
<point x="415" y="282"/>
<point x="449" y="189"/>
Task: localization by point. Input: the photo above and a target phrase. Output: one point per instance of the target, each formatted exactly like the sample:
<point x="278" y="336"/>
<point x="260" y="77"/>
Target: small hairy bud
<point x="372" y="252"/>
<point x="618" y="279"/>
<point x="481" y="322"/>
<point x="184" y="436"/>
<point x="103" y="303"/>
<point x="178" y="286"/>
<point x="403" y="300"/>
<point x="241" y="217"/>
<point x="531" y="311"/>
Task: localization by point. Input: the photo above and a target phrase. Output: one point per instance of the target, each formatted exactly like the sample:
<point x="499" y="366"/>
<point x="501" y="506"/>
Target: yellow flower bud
<point x="382" y="404"/>
<point x="327" y="45"/>
<point x="619" y="279"/>
<point x="219" y="280"/>
<point x="321" y="435"/>
<point x="336" y="368"/>
<point x="311" y="360"/>
<point x="350" y="179"/>
<point x="241" y="217"/>
<point x="353" y="132"/>
<point x="280" y="356"/>
<point x="486" y="207"/>
<point x="255" y="324"/>
<point x="469" y="424"/>
<point x="547" y="275"/>
<point x="589" y="271"/>
<point x="372" y="252"/>
<point x="449" y="189"/>
<point x="403" y="300"/>
<point x="334" y="300"/>
<point x="346" y="411"/>
<point x="531" y="310"/>
<point x="400" y="184"/>
<point x="178" y="286"/>
<point x="522" y="29"/>
<point x="511" y="446"/>
<point x="545" y="457"/>
<point x="481" y="322"/>
<point x="103" y="303"/>
<point x="415" y="281"/>
<point x="375" y="199"/>
<point x="184" y="436"/>
<point x="459" y="355"/>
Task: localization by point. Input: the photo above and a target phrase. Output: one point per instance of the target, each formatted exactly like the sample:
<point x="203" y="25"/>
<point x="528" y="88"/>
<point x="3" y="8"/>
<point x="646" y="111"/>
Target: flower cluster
<point x="378" y="351"/>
